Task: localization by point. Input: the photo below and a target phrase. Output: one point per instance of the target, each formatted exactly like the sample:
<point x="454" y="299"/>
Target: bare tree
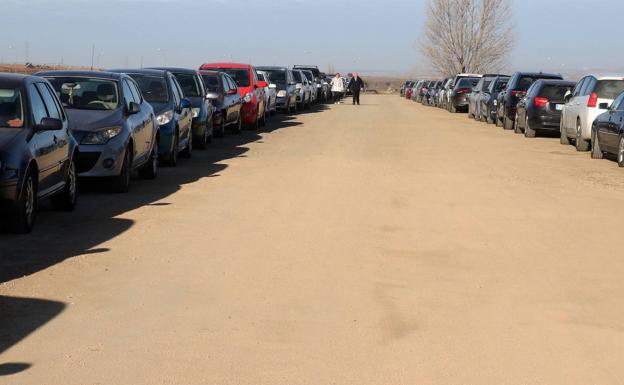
<point x="467" y="35"/>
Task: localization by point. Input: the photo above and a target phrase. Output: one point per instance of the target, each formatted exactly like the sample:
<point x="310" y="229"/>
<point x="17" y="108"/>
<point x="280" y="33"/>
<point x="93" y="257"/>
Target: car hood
<point x="159" y="108"/>
<point x="92" y="120"/>
<point x="9" y="136"/>
<point x="196" y="101"/>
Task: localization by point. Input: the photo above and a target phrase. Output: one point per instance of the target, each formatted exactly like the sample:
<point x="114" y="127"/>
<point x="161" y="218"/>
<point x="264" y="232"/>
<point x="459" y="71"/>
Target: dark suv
<point x="516" y="89"/>
<point x="37" y="152"/>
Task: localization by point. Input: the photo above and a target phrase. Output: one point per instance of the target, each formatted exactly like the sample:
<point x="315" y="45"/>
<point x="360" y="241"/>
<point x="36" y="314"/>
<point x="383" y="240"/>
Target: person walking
<point x="337" y="88"/>
<point x="356" y="85"/>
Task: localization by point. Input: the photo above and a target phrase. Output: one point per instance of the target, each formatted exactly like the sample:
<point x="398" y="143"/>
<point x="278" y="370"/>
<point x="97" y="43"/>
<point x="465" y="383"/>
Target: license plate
<point x="559" y="107"/>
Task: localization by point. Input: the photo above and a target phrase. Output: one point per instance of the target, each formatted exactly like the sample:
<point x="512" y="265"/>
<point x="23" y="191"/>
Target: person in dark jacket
<point x="356" y="85"/>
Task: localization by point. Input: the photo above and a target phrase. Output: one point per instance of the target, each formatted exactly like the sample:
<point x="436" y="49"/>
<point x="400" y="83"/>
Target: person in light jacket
<point x="356" y="85"/>
<point x="337" y="88"/>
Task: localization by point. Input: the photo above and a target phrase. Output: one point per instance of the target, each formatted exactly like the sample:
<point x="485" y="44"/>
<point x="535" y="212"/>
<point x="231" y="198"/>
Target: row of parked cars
<point x="588" y="113"/>
<point x="58" y="126"/>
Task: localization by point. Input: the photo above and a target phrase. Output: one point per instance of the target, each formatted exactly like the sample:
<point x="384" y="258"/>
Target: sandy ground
<point x="388" y="243"/>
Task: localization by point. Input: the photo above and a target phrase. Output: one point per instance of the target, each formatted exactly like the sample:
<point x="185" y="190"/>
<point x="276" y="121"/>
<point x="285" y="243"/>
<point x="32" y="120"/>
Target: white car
<point x="304" y="90"/>
<point x="270" y="92"/>
<point x="582" y="106"/>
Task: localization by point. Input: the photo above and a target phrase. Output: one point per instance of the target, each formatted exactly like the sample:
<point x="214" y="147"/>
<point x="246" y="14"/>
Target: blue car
<point x="173" y="112"/>
<point x="37" y="151"/>
<point x="115" y="127"/>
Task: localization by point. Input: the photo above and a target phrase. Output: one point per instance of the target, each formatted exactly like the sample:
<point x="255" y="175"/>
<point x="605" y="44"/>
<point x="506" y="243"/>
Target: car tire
<point x="453" y="109"/>
<point x="528" y="131"/>
<point x="596" y="151"/>
<point x="150" y="169"/>
<point x="221" y="132"/>
<point x="188" y="151"/>
<point x="620" y="155"/>
<point x="172" y="159"/>
<point x="263" y="121"/>
<point x="121" y="182"/>
<point x="580" y="144"/>
<point x="25" y="212"/>
<point x="507" y="123"/>
<point x="563" y="137"/>
<point x="67" y="198"/>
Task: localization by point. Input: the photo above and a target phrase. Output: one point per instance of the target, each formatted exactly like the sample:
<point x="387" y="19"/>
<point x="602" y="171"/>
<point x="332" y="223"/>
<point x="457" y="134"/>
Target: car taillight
<point x="540" y="102"/>
<point x="464" y="91"/>
<point x="518" y="93"/>
<point x="593" y="100"/>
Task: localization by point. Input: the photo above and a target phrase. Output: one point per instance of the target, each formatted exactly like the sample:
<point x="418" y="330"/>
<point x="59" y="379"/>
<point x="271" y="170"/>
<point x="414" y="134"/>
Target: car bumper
<point x="460" y="101"/>
<point x="249" y="113"/>
<point x="101" y="160"/>
<point x="281" y="102"/>
<point x="8" y="194"/>
<point x="545" y="122"/>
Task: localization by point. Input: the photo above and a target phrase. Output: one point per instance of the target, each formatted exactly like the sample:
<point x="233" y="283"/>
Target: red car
<point x="250" y="87"/>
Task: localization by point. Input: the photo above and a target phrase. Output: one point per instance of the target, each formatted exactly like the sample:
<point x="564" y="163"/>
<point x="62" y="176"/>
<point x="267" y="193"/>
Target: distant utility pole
<point x="92" y="55"/>
<point x="26" y="52"/>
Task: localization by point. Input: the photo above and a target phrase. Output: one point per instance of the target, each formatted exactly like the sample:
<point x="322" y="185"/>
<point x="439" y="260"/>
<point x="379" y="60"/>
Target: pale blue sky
<point x="364" y="35"/>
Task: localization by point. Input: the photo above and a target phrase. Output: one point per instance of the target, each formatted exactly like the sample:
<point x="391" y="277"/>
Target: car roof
<point x="209" y="72"/>
<point x="225" y="65"/>
<point x="14" y="80"/>
<point x="175" y="69"/>
<point x="537" y="74"/>
<point x="144" y="71"/>
<point x="469" y="75"/>
<point x="268" y="68"/>
<point x="606" y="76"/>
<point x="83" y="74"/>
<point x="556" y="82"/>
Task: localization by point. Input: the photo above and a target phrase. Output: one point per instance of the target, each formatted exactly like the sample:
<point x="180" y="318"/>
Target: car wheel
<point x="620" y="157"/>
<point x="238" y="127"/>
<point x="26" y="206"/>
<point x="497" y="120"/>
<point x="172" y="160"/>
<point x="204" y="140"/>
<point x="563" y="136"/>
<point x="516" y="126"/>
<point x="579" y="142"/>
<point x="453" y="109"/>
<point x="254" y="126"/>
<point x="596" y="152"/>
<point x="67" y="198"/>
<point x="188" y="151"/>
<point x="121" y="182"/>
<point x="150" y="169"/>
<point x="528" y="131"/>
<point x="507" y="123"/>
<point x="263" y="120"/>
<point x="221" y="132"/>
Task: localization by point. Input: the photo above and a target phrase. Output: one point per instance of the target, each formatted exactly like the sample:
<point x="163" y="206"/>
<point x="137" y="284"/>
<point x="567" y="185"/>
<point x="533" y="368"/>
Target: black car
<point x="607" y="133"/>
<point x="115" y="127"/>
<point x="458" y="97"/>
<point x="226" y="101"/>
<point x="173" y="112"/>
<point x="194" y="90"/>
<point x="540" y="109"/>
<point x="478" y="91"/>
<point x="516" y="89"/>
<point x="489" y="99"/>
<point x="38" y="154"/>
<point x="286" y="87"/>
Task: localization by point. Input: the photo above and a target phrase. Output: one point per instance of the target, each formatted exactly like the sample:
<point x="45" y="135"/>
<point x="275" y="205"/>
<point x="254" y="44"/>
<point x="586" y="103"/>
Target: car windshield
<point x="467" y="82"/>
<point x="11" y="108"/>
<point x="609" y="89"/>
<point x="240" y="75"/>
<point x="86" y="93"/>
<point x="309" y="76"/>
<point x="189" y="84"/>
<point x="297" y="76"/>
<point x="555" y="93"/>
<point x="212" y="83"/>
<point x="154" y="88"/>
<point x="277" y="76"/>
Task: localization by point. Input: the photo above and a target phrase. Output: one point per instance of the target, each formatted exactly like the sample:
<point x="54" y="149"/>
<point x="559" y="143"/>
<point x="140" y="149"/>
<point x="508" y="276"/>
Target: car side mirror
<point x="133" y="108"/>
<point x="49" y="124"/>
<point x="261" y="84"/>
<point x="233" y="91"/>
<point x="184" y="103"/>
<point x="567" y="97"/>
<point x="212" y="96"/>
<point x="603" y="106"/>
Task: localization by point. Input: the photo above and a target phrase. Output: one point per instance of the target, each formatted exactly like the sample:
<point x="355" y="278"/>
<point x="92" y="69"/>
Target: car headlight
<point x="247" y="98"/>
<point x="101" y="136"/>
<point x="165" y="117"/>
<point x="195" y="111"/>
<point x="281" y="94"/>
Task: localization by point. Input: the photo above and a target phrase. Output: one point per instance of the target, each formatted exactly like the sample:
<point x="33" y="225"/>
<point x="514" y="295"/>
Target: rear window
<point x="212" y="83"/>
<point x="188" y="83"/>
<point x="154" y="88"/>
<point x="240" y="75"/>
<point x="609" y="89"/>
<point x="555" y="93"/>
<point x="526" y="81"/>
<point x="467" y="82"/>
<point x="500" y="85"/>
<point x="11" y="108"/>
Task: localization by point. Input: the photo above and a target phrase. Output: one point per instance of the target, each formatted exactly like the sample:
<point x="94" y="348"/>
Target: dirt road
<point x="383" y="244"/>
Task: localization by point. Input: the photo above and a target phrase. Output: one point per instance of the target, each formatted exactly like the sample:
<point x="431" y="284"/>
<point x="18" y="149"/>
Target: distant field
<point x="383" y="84"/>
<point x="24" y="69"/>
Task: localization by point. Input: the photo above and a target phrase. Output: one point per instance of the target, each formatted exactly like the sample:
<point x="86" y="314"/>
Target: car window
<point x="188" y="84"/>
<point x="136" y="93"/>
<point x="579" y="85"/>
<point x="48" y="100"/>
<point x="153" y="88"/>
<point x="56" y="100"/>
<point x="554" y="93"/>
<point x="127" y="93"/>
<point x="177" y="95"/>
<point x="11" y="108"/>
<point x="202" y="87"/>
<point x="255" y="76"/>
<point x="588" y="86"/>
<point x="277" y="76"/>
<point x="233" y="85"/>
<point x="479" y="85"/>
<point x="37" y="105"/>
<point x="86" y="93"/>
<point x="525" y="82"/>
<point x="618" y="103"/>
<point x="212" y="83"/>
<point x="609" y="89"/>
<point x="467" y="82"/>
<point x="534" y="89"/>
<point x="240" y="75"/>
<point x="486" y="83"/>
